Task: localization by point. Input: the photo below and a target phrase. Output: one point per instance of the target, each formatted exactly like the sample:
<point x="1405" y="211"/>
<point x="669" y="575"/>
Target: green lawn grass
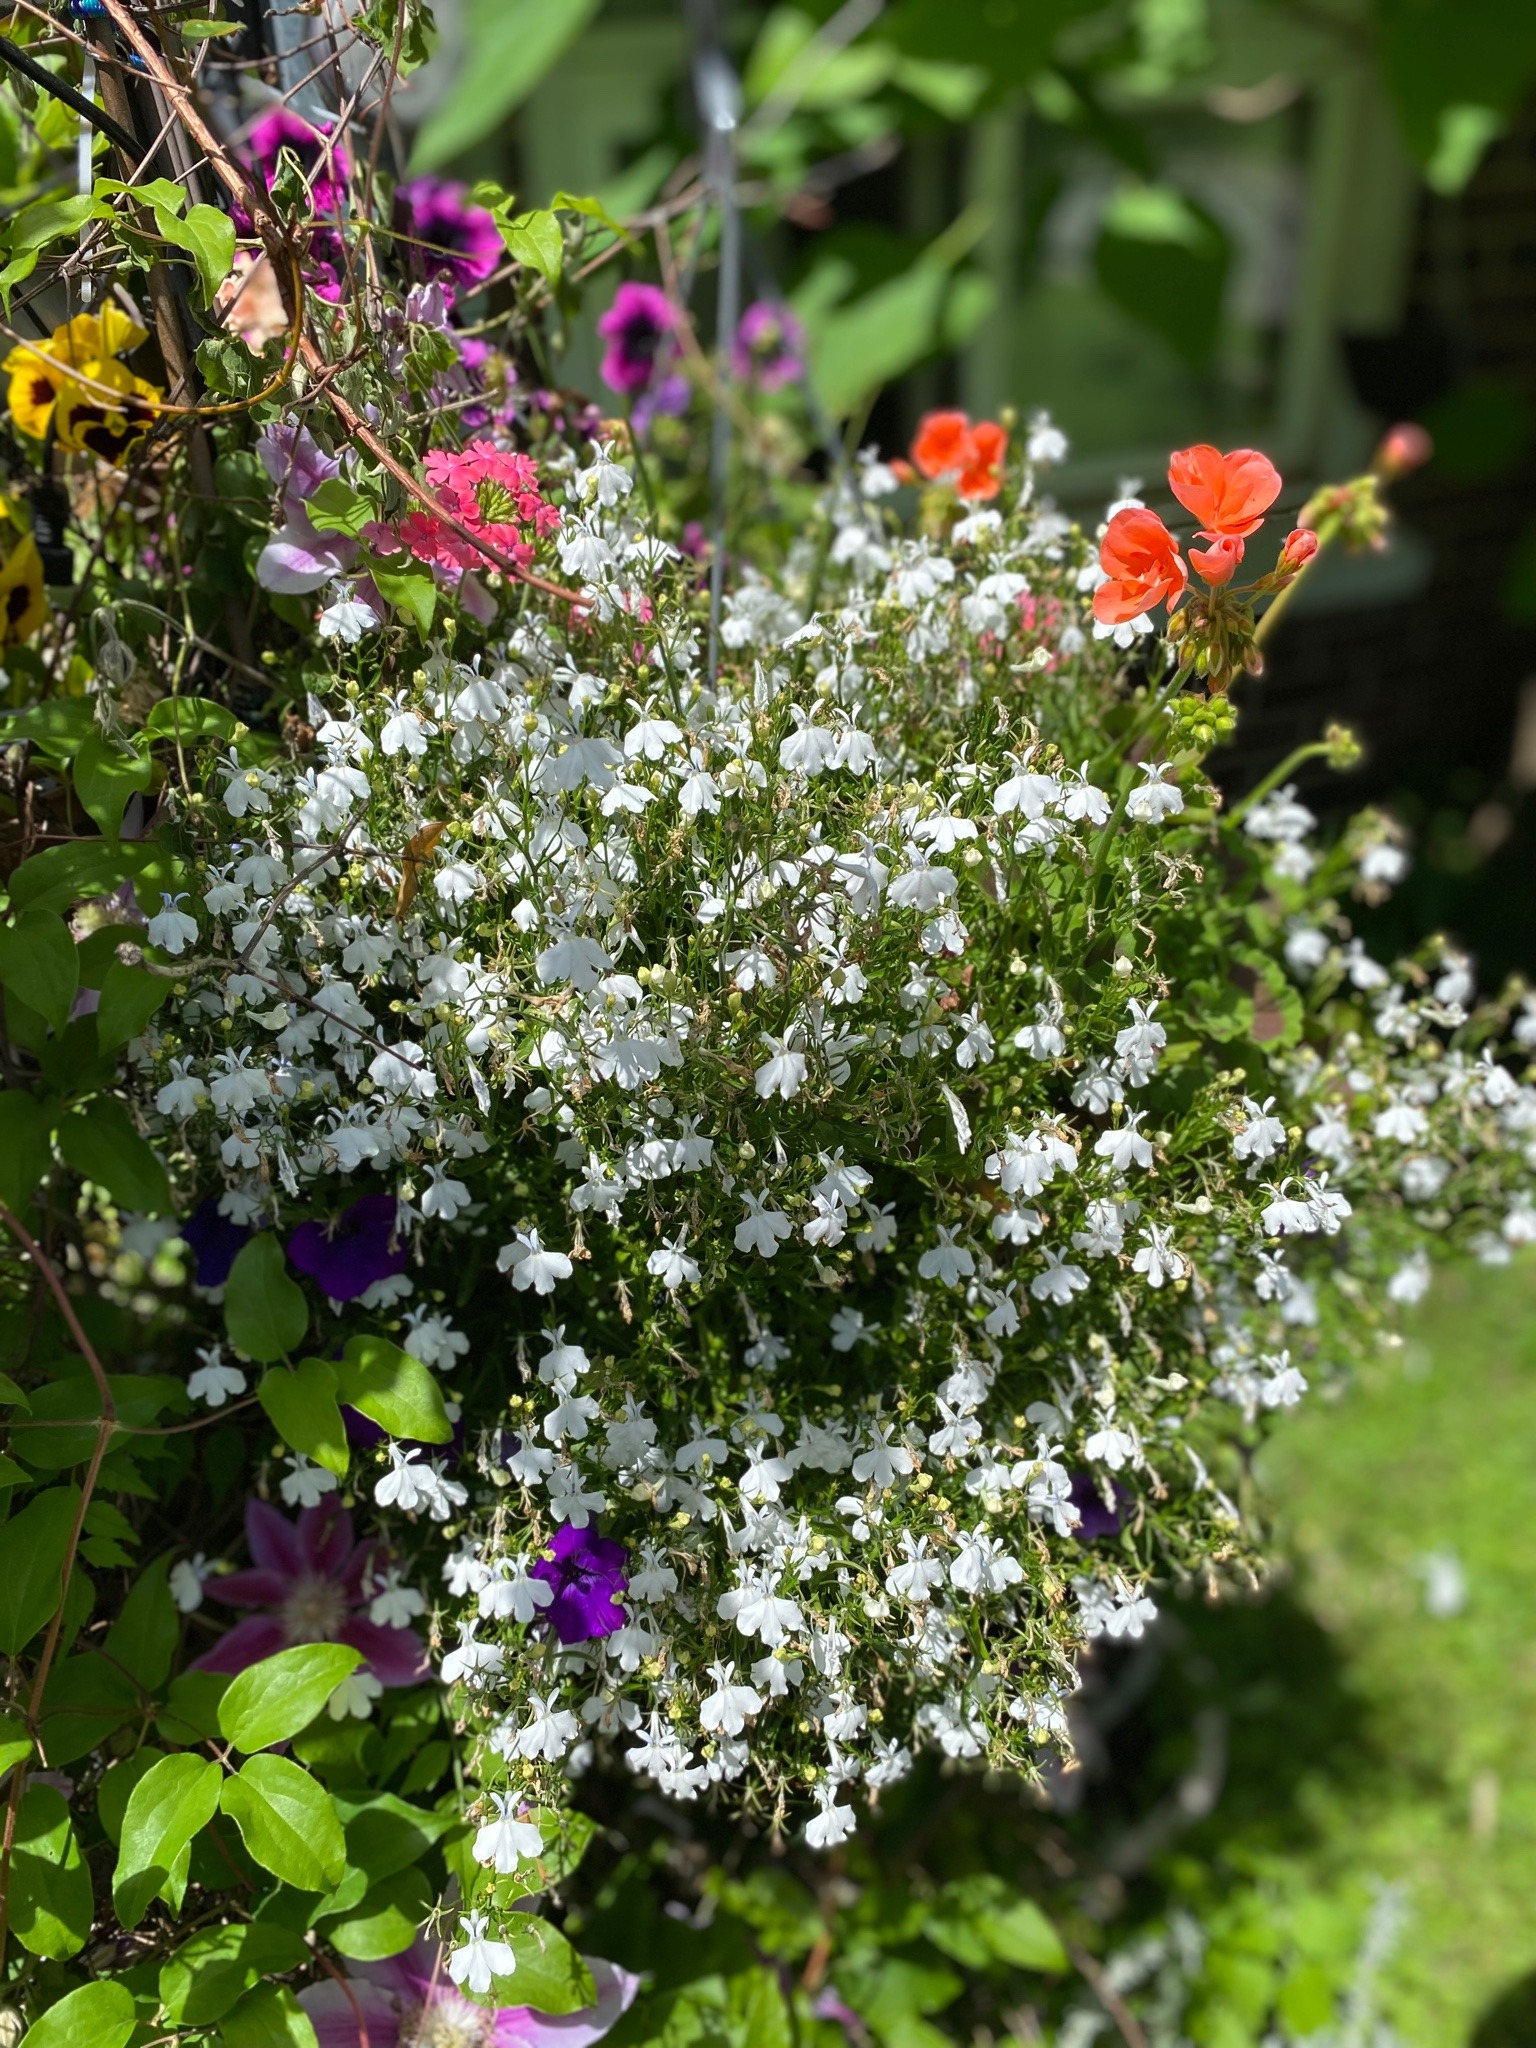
<point x="1433" y="1449"/>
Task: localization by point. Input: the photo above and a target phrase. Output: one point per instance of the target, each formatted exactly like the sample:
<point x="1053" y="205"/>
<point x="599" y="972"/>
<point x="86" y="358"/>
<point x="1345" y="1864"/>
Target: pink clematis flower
<point x="408" y="2002"/>
<point x="315" y="1582"/>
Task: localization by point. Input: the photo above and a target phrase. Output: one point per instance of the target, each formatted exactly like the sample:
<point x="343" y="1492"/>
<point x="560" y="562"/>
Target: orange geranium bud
<point x="942" y="447"/>
<point x="1217" y="562"/>
<point x="1228" y="494"/>
<point x="1141" y="560"/>
<point x="1300" y="546"/>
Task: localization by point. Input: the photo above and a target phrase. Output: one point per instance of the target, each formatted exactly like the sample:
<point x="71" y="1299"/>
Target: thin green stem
<point x="1293" y="760"/>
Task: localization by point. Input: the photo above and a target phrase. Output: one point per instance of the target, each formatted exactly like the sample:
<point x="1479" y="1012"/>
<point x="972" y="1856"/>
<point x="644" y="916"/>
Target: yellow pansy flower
<point x="23" y="606"/>
<point x="41" y="384"/>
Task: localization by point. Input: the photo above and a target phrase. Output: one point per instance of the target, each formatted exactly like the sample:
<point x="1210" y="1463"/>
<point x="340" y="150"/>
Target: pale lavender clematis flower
<point x="299" y="558"/>
<point x="409" y="2002"/>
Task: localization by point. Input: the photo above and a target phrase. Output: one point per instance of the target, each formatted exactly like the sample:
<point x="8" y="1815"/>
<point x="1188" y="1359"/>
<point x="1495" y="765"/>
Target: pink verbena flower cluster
<point x="491" y="491"/>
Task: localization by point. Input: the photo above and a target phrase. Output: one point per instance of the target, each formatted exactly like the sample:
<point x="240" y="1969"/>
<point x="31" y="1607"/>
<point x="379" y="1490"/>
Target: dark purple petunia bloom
<point x="769" y="347"/>
<point x="213" y="1240"/>
<point x="464" y="244"/>
<point x="635" y="327"/>
<point x="314" y="1584"/>
<point x="346" y="1257"/>
<point x="326" y="167"/>
<point x="1098" y="1520"/>
<point x="587" y="1573"/>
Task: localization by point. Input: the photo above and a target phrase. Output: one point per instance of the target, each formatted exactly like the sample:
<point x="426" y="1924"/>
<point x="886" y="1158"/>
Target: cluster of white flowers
<point x="844" y="1120"/>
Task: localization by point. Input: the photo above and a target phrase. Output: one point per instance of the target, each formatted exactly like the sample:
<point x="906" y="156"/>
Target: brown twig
<point x="1131" y="2030"/>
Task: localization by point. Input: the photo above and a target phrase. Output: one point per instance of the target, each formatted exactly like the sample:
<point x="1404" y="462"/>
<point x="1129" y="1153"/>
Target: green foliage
<point x="102" y="2014"/>
<point x="274" y="1699"/>
<point x="287" y="1823"/>
<point x="515" y="43"/>
<point x="303" y="1408"/>
<point x="171" y="1802"/>
<point x="51" y="1906"/>
<point x="33" y="1546"/>
<point x="264" y="1311"/>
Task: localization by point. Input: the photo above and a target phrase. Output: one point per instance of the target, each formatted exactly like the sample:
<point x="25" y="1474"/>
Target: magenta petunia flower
<point x="326" y="166"/>
<point x="588" y="1575"/>
<point x="769" y="347"/>
<point x="640" y="320"/>
<point x="408" y="2002"/>
<point x="315" y="1582"/>
<point x="346" y="1257"/>
<point x="463" y="241"/>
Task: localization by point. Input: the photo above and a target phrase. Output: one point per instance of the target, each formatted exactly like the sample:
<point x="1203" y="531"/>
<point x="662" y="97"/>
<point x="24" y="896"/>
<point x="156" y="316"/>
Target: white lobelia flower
<point x="1261" y="1135"/>
<point x="981" y="1564"/>
<point x="305" y="1485"/>
<point x="758" y="1611"/>
<point x="171" y="929"/>
<point x="671" y="1265"/>
<point x="947" y="1262"/>
<point x="471" y="1662"/>
<point x="214" y="1381"/>
<point x="783" y="1074"/>
<point x="1059" y="1282"/>
<point x="549" y="1730"/>
<point x="532" y="1265"/>
<point x="353" y="1699"/>
<point x="506" y="1841"/>
<point x="394" y="1604"/>
<point x="1158" y="1258"/>
<point x="346" y="620"/>
<point x="763" y="1229"/>
<point x="511" y="1593"/>
<point x="727" y="1710"/>
<point x="1123" y="1145"/>
<point x="1113" y="1447"/>
<point x="188" y="1576"/>
<point x="1156" y="799"/>
<point x="916" y="1578"/>
<point x="478" y="1961"/>
<point x="831" y="1823"/>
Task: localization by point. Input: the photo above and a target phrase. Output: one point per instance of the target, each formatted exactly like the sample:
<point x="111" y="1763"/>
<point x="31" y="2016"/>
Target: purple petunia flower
<point x="214" y="1240"/>
<point x="635" y="327"/>
<point x="464" y="241"/>
<point x="298" y="557"/>
<point x="1097" y="1520"/>
<point x="326" y="166"/>
<point x="409" y="2002"/>
<point x="316" y="1583"/>
<point x="347" y="1257"/>
<point x="587" y="1573"/>
<point x="769" y="347"/>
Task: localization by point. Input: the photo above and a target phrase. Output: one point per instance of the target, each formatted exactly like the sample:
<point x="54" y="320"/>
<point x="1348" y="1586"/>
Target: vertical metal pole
<point x="717" y="91"/>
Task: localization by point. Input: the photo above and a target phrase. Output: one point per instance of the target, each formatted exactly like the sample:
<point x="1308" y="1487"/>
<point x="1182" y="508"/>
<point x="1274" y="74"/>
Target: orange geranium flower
<point x="950" y="448"/>
<point x="1217" y="562"/>
<point x="1141" y="560"/>
<point x="1228" y="494"/>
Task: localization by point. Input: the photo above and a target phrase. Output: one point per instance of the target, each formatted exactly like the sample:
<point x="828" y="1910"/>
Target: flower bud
<point x="1299" y="548"/>
<point x="1403" y="448"/>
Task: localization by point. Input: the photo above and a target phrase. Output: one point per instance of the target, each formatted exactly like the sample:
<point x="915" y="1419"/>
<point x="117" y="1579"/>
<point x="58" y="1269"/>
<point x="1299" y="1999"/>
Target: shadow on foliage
<point x="1510" y="2022"/>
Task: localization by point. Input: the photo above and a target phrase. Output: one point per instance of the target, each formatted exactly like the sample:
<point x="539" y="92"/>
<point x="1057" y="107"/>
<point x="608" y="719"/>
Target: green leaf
<point x="100" y="1142"/>
<point x="56" y="727"/>
<point x="143" y="1639"/>
<point x="264" y="1311"/>
<point x="550" y="1975"/>
<point x="88" y="1699"/>
<point x="386" y="1921"/>
<point x="334" y="507"/>
<point x="102" y="2014"/>
<point x="61" y="876"/>
<point x="288" y="1824"/>
<point x="32" y="1548"/>
<point x="50" y="1895"/>
<point x="509" y="45"/>
<point x="200" y="31"/>
<point x="190" y="718"/>
<point x="39" y="964"/>
<point x="105" y="776"/>
<point x="191" y="1711"/>
<point x="130" y="996"/>
<point x="116" y="1789"/>
<point x="982" y="1919"/>
<point x="1164" y="258"/>
<point x="209" y="1973"/>
<point x="534" y="239"/>
<point x="25" y="1151"/>
<point x="594" y="209"/>
<point x="303" y="1410"/>
<point x="15" y="1742"/>
<point x="208" y="235"/>
<point x="411" y="591"/>
<point x="392" y="1389"/>
<point x="274" y="1699"/>
<point x="49" y="220"/>
<point x="167" y="1807"/>
<point x="270" y="2018"/>
<point x="385" y="1834"/>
